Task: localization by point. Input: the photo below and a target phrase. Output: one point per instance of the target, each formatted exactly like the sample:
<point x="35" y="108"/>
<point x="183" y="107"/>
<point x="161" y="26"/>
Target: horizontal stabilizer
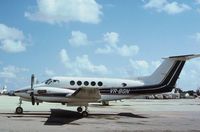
<point x="183" y="57"/>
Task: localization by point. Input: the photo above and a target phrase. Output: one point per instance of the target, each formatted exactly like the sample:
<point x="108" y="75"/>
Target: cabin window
<point x="124" y="84"/>
<point x="79" y="83"/>
<point x="72" y="82"/>
<point x="86" y="83"/>
<point x="100" y="84"/>
<point x="93" y="83"/>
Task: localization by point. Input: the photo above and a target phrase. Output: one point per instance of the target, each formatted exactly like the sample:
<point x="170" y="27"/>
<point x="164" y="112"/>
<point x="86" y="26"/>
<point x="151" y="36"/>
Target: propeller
<point x="32" y="90"/>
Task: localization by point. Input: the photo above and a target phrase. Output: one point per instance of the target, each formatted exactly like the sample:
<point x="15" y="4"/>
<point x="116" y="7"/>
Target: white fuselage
<point x="57" y="86"/>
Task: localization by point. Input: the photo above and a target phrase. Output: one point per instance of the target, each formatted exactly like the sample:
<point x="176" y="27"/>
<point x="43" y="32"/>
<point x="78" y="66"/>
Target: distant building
<point x="175" y="94"/>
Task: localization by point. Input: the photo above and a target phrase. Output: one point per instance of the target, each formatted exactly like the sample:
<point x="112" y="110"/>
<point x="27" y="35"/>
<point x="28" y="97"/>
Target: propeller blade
<point x="32" y="93"/>
<point x="32" y="81"/>
<point x="33" y="99"/>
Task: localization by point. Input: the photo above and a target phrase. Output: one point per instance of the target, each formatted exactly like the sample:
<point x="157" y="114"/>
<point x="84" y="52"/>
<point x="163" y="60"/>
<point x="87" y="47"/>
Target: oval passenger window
<point x="79" y="83"/>
<point x="93" y="83"/>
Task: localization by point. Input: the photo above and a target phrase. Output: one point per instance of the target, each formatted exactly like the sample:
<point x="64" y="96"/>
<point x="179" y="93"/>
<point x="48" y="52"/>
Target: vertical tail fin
<point x="168" y="72"/>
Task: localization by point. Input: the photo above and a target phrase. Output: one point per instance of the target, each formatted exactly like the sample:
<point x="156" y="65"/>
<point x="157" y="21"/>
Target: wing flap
<point x="88" y="93"/>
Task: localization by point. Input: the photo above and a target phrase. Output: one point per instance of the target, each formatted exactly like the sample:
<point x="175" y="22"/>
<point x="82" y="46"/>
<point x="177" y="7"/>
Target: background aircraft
<point x="4" y="91"/>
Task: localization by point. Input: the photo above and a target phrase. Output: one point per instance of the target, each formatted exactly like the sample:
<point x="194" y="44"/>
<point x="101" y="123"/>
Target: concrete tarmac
<point x="135" y="115"/>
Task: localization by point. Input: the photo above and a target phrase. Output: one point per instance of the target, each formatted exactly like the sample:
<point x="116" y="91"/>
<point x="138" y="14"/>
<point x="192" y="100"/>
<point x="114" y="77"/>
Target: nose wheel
<point x="19" y="109"/>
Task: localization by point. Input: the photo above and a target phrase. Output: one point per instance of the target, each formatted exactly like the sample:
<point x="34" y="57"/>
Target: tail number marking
<point x="119" y="91"/>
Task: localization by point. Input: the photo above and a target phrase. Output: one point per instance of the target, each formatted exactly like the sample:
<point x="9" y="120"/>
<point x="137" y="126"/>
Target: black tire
<point x="85" y="114"/>
<point x="19" y="110"/>
<point x="79" y="109"/>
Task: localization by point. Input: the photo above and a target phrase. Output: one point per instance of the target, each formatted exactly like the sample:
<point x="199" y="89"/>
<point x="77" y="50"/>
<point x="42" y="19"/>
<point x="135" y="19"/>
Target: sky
<point x="96" y="38"/>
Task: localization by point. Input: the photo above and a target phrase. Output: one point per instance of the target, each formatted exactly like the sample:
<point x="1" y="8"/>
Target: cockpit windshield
<point x="50" y="81"/>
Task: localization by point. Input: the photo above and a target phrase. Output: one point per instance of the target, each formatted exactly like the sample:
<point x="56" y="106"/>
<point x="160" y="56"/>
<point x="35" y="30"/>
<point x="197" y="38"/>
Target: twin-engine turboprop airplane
<point x="81" y="91"/>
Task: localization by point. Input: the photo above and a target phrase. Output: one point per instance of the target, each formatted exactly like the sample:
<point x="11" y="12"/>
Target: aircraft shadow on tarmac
<point x="62" y="117"/>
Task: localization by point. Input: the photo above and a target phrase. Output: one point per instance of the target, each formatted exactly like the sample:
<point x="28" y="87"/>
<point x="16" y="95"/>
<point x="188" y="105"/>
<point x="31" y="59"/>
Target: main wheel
<point x="19" y="110"/>
<point x="85" y="114"/>
<point x="105" y="103"/>
<point x="79" y="109"/>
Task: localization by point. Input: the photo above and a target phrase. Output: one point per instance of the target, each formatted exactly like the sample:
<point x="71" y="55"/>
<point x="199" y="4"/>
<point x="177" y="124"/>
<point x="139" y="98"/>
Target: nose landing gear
<point x="19" y="109"/>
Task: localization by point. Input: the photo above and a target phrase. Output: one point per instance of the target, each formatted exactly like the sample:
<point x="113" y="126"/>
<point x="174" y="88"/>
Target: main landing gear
<point x="84" y="113"/>
<point x="19" y="109"/>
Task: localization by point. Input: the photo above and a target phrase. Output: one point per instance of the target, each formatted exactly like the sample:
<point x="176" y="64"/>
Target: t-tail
<point x="165" y="76"/>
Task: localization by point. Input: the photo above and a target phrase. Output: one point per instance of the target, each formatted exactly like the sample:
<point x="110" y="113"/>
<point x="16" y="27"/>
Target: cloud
<point x="128" y="50"/>
<point x="111" y="39"/>
<point x="7" y="74"/>
<point x="197" y="2"/>
<point x="12" y="46"/>
<point x="106" y="50"/>
<point x="10" y="71"/>
<point x="84" y="63"/>
<point x="11" y="39"/>
<point x="62" y="11"/>
<point x="10" y="33"/>
<point x="64" y="57"/>
<point x="139" y="67"/>
<point x="49" y="72"/>
<point x="81" y="65"/>
<point x="196" y="37"/>
<point x="190" y="74"/>
<point x="139" y="64"/>
<point x="158" y="4"/>
<point x="175" y="8"/>
<point x="78" y="39"/>
<point x="165" y="6"/>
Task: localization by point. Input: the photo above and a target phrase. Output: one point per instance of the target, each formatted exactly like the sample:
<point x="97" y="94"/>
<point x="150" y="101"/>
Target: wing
<point x="87" y="93"/>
